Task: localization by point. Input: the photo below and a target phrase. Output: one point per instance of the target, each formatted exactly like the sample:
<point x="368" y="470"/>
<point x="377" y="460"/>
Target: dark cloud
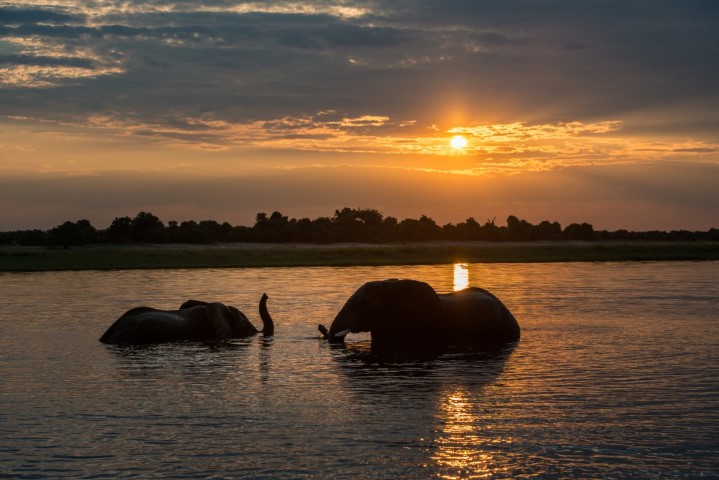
<point x="495" y="39"/>
<point x="46" y="61"/>
<point x="343" y="35"/>
<point x="51" y="31"/>
<point x="696" y="150"/>
<point x="542" y="61"/>
<point x="9" y="16"/>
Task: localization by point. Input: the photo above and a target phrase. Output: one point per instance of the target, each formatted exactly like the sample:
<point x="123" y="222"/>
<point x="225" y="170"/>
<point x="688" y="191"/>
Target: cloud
<point x="521" y="131"/>
<point x="537" y="86"/>
<point x="12" y="16"/>
<point x="697" y="150"/>
<point x="46" y="61"/>
<point x="371" y="140"/>
<point x="300" y="57"/>
<point x="336" y="35"/>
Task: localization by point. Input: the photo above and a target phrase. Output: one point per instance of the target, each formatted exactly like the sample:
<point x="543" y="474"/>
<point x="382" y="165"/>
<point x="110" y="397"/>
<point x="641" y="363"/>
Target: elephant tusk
<point x="343" y="332"/>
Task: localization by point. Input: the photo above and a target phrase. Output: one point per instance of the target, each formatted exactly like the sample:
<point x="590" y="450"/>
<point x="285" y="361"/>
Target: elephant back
<point x="474" y="315"/>
<point x="144" y="325"/>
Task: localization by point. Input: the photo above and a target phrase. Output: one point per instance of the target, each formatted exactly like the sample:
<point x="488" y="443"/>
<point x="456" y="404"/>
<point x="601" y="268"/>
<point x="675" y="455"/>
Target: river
<point x="616" y="376"/>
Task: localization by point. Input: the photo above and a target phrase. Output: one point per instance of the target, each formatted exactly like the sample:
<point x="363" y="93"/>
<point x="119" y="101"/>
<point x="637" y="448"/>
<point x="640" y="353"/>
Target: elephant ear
<point x="220" y="319"/>
<point x="411" y="312"/>
<point x="239" y="323"/>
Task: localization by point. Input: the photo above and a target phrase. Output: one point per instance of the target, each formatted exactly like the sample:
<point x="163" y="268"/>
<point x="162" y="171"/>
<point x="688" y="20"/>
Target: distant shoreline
<point x="238" y="255"/>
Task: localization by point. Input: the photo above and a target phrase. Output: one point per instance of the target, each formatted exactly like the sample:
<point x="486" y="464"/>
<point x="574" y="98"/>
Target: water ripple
<point x="615" y="376"/>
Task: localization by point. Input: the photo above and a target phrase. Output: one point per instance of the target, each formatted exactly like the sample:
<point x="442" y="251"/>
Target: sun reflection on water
<point x="461" y="448"/>
<point x="461" y="276"/>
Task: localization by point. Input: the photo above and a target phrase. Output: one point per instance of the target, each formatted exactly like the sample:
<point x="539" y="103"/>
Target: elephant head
<point x="195" y="320"/>
<point x="409" y="312"/>
<point x="389" y="310"/>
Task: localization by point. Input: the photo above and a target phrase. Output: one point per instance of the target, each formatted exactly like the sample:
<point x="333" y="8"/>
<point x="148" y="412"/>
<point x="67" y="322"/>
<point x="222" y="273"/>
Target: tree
<point x="212" y="230"/>
<point x="86" y="232"/>
<point x="322" y="228"/>
<point x="576" y="231"/>
<point x="34" y="237"/>
<point x="65" y="235"/>
<point x="260" y="218"/>
<point x="272" y="229"/>
<point x="146" y="227"/>
<point x="119" y="230"/>
<point x="423" y="229"/>
<point x="468" y="230"/>
<point x="190" y="232"/>
<point x="548" y="230"/>
<point x="69" y="233"/>
<point x="492" y="232"/>
<point x="358" y="225"/>
<point x="302" y="230"/>
<point x="519" y="229"/>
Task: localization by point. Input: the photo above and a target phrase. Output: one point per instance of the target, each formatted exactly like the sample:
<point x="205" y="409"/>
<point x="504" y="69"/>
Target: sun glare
<point x="458" y="142"/>
<point x="461" y="276"/>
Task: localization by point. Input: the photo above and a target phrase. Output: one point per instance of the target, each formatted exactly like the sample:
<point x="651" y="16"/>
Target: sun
<point x="458" y="142"/>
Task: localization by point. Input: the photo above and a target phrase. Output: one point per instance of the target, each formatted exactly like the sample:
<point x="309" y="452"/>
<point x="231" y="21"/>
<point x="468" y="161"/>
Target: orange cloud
<point x="381" y="140"/>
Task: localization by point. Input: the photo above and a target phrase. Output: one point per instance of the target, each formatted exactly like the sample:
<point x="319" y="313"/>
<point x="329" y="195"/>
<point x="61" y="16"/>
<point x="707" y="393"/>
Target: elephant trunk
<point x="336" y="337"/>
<point x="323" y="331"/>
<point x="268" y="326"/>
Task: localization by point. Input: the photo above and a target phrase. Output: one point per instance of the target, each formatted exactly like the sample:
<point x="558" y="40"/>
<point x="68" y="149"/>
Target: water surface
<point x="616" y="376"/>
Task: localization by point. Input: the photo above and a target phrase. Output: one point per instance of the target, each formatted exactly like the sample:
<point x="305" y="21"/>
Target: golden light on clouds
<point x="49" y="76"/>
<point x="136" y="8"/>
<point x="374" y="140"/>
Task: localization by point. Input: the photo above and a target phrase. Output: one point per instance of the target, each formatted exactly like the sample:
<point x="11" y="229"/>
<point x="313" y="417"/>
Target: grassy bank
<point x="19" y="259"/>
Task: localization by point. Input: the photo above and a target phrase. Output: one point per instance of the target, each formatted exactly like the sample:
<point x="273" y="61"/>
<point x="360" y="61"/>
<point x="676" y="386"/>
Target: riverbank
<point x="123" y="257"/>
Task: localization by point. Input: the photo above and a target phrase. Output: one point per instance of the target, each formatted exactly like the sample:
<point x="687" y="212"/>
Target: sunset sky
<point x="600" y="111"/>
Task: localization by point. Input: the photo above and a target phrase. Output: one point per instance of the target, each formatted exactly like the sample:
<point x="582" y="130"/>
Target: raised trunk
<point x="268" y="326"/>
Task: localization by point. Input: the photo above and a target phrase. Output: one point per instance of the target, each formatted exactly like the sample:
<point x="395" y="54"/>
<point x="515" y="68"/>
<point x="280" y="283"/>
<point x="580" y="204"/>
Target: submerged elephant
<point x="411" y="312"/>
<point x="194" y="321"/>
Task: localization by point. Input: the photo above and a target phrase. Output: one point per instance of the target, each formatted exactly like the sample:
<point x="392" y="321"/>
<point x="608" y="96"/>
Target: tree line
<point x="346" y="225"/>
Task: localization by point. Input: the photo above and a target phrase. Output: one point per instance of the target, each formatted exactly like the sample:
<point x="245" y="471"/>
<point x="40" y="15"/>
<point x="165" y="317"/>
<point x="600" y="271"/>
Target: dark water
<point x="616" y="376"/>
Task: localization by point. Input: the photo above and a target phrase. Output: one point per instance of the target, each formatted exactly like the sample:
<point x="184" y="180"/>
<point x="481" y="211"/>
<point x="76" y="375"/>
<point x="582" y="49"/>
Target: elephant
<point x="410" y="312"/>
<point x="194" y="321"/>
